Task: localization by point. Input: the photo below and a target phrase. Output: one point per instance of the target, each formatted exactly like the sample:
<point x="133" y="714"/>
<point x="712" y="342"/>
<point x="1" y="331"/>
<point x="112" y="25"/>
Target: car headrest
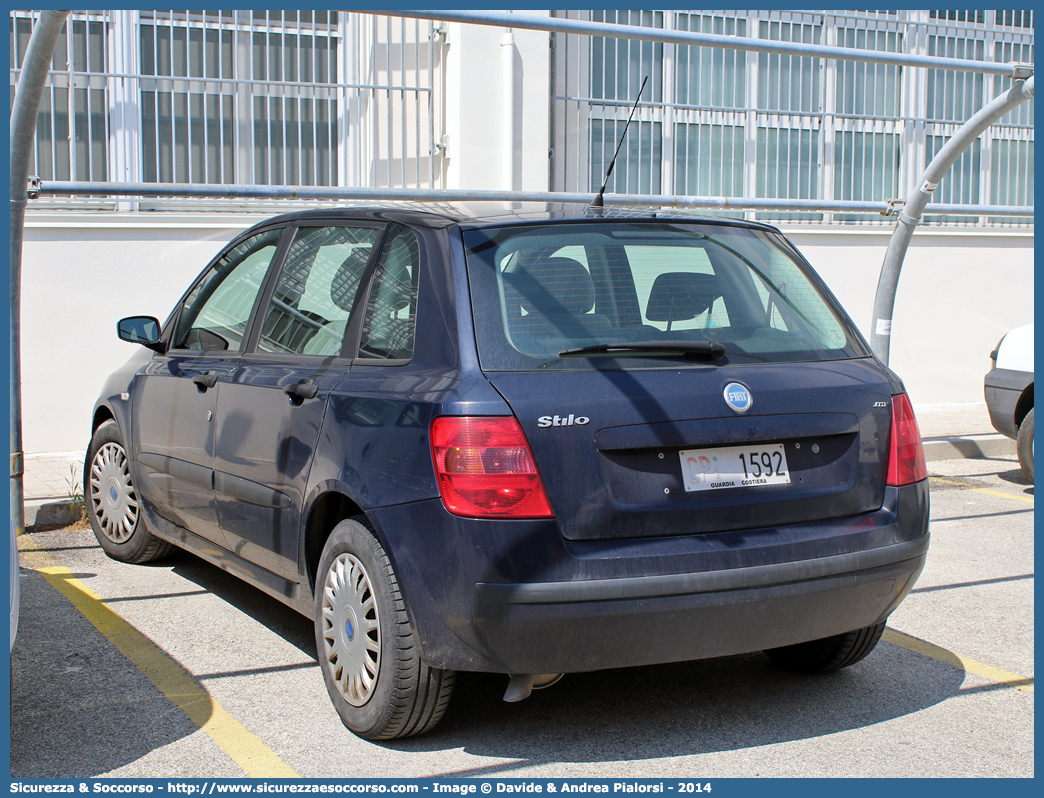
<point x="553" y="286"/>
<point x="396" y="285"/>
<point x="679" y="296"/>
<point x="346" y="280"/>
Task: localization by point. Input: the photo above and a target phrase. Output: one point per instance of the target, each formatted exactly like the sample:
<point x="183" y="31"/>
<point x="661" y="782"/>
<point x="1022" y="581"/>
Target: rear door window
<point x="316" y="289"/>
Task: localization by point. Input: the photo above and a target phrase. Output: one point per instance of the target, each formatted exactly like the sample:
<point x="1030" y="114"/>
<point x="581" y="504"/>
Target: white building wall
<point x="81" y="273"/>
<point x="475" y="100"/>
<point x="959" y="293"/>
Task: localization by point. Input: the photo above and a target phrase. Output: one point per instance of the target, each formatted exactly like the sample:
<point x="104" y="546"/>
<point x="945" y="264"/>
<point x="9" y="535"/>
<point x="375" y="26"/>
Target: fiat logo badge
<point x="738" y="397"/>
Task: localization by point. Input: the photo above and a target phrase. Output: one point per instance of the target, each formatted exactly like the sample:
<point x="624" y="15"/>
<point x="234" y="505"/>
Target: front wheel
<point x="113" y="506"/>
<point x="828" y="654"/>
<point x="367" y="648"/>
<point x="1024" y="446"/>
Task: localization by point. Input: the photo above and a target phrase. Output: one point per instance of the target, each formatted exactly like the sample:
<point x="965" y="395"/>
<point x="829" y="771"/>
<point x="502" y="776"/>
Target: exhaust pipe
<point x="521" y="685"/>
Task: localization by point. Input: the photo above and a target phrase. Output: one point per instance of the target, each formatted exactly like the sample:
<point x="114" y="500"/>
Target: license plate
<point x="735" y="467"/>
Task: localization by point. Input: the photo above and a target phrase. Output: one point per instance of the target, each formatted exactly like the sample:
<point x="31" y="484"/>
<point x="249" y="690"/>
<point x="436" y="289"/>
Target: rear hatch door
<point x="613" y="446"/>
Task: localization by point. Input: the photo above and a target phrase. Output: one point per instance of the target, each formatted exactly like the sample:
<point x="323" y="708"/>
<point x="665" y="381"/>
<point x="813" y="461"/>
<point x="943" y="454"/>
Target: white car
<point x="1009" y="392"/>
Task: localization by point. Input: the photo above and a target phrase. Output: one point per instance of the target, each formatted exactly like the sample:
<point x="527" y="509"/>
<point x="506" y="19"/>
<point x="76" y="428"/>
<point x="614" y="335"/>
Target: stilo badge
<point x="738" y="397"/>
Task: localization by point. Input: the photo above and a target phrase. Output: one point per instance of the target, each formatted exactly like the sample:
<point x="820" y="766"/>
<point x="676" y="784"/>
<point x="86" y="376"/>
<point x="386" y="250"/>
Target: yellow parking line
<point x="987" y="491"/>
<point x="956" y="660"/>
<point x="244" y="747"/>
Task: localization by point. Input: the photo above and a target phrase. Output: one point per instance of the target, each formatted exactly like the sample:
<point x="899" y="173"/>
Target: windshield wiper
<point x="711" y="348"/>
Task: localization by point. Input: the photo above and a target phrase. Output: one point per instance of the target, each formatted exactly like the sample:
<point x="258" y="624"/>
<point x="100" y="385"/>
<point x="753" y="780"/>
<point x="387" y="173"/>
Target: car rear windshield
<point x="643" y="292"/>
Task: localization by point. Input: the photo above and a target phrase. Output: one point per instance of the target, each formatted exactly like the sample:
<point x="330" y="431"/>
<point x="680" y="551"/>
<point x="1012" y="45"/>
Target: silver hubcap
<point x="351" y="630"/>
<point x="112" y="495"/>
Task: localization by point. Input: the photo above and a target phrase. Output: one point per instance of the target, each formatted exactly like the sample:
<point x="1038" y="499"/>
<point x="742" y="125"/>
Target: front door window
<point x="214" y="316"/>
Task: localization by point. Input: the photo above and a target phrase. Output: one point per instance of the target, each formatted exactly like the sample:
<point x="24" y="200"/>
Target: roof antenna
<point x="598" y="200"/>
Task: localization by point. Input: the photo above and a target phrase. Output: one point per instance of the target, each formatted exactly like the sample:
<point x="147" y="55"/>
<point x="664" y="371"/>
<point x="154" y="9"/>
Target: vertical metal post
<point x="126" y="157"/>
<point x="828" y="110"/>
<point x="347" y="121"/>
<point x="24" y="110"/>
<point x="552" y="110"/>
<point x="433" y="149"/>
<point x="246" y="169"/>
<point x="752" y="73"/>
<point x="510" y="111"/>
<point x="910" y="216"/>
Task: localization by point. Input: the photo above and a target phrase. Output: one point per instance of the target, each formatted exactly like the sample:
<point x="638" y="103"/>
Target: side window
<point x="214" y="316"/>
<point x="313" y="298"/>
<point x="389" y="326"/>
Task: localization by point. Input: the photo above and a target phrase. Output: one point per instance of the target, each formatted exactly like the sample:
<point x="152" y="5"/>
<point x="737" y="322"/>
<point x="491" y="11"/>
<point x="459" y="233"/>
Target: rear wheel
<point x="113" y="506"/>
<point x="828" y="654"/>
<point x="1024" y="446"/>
<point x="367" y="648"/>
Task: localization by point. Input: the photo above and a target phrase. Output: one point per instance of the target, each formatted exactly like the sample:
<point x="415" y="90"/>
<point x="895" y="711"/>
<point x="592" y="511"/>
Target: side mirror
<point x="144" y="330"/>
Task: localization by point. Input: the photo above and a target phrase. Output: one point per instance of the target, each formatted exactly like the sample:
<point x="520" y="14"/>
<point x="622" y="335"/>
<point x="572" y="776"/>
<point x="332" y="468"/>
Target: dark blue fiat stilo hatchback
<point x="529" y="443"/>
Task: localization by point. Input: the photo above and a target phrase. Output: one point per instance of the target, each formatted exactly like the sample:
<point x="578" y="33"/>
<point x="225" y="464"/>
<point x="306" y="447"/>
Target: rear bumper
<point x="1003" y="389"/>
<point x="565" y="638"/>
<point x="607" y="605"/>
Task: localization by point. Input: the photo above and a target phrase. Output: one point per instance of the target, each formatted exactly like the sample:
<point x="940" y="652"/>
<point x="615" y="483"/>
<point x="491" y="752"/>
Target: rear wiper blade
<point x="711" y="348"/>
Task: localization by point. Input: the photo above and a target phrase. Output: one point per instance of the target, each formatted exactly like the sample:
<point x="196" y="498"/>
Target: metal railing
<point x="814" y="105"/>
<point x="313" y="194"/>
<point x="269" y="97"/>
<point x="25" y="108"/>
<point x="805" y="110"/>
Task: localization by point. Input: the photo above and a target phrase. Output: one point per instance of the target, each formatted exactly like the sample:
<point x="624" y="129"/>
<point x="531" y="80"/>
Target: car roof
<point x="497" y="214"/>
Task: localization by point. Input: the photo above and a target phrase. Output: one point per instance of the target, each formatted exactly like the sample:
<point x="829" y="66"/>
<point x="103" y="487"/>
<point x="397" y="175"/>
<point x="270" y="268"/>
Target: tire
<point x="1024" y="446"/>
<point x="113" y="506"/>
<point x="367" y="648"/>
<point x="828" y="654"/>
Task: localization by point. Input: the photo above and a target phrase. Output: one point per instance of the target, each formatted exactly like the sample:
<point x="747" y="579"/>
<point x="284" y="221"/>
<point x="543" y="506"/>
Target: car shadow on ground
<point x="679" y="709"/>
<point x="682" y="709"/>
<point x="289" y="624"/>
<point x="1016" y="477"/>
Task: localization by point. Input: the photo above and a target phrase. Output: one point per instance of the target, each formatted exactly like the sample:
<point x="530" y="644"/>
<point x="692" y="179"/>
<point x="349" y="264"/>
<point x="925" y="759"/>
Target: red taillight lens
<point x="905" y="452"/>
<point x="486" y="469"/>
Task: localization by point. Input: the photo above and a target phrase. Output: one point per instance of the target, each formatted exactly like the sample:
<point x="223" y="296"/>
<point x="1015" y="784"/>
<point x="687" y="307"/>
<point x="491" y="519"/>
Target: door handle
<point x="304" y="390"/>
<point x="204" y="381"/>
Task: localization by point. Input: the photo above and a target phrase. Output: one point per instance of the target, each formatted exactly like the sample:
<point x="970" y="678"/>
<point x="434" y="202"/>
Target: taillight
<point x="905" y="452"/>
<point x="486" y="469"/>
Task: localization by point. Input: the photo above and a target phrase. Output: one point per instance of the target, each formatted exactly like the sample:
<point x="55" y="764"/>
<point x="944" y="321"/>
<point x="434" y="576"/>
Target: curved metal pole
<point x="24" y="110"/>
<point x="910" y="216"/>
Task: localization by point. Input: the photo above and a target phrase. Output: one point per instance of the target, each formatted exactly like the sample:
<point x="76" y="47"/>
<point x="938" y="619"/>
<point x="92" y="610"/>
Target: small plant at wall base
<point x="76" y="499"/>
